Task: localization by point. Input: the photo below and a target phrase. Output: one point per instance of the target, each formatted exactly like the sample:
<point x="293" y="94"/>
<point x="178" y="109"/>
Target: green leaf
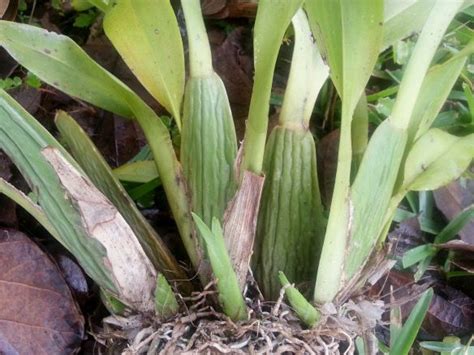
<point x="85" y="19"/>
<point x="349" y="34"/>
<point x="23" y="138"/>
<point x="26" y="203"/>
<point x="60" y="62"/>
<point x="101" y="175"/>
<point x="403" y="18"/>
<point x="81" y="5"/>
<point x="103" y="5"/>
<point x="371" y="193"/>
<point x="470" y="99"/>
<point x="415" y="255"/>
<point x="451" y="345"/>
<point x="407" y="335"/>
<point x="146" y="34"/>
<point x="142" y="171"/>
<point x="436" y="87"/>
<point x="305" y="311"/>
<point x="165" y="301"/>
<point x="230" y="297"/>
<point x="308" y="73"/>
<point x="436" y="159"/>
<point x="113" y="305"/>
<point x="455" y="226"/>
<point x="273" y="18"/>
<point x="426" y="46"/>
<point x="395" y="323"/>
<point x="63" y="64"/>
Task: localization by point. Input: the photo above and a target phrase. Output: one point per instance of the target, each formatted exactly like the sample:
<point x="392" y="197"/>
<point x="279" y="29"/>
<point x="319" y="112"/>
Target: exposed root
<point x="272" y="328"/>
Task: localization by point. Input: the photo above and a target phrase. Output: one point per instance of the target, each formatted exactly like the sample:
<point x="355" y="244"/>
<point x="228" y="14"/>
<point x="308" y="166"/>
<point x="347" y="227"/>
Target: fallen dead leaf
<point x="451" y="312"/>
<point x="37" y="312"/>
<point x="74" y="277"/>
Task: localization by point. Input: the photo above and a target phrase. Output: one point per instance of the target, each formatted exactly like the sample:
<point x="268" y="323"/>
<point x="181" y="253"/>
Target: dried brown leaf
<point x="240" y="221"/>
<point x="451" y="313"/>
<point x="132" y="271"/>
<point x="233" y="62"/>
<point x="37" y="312"/>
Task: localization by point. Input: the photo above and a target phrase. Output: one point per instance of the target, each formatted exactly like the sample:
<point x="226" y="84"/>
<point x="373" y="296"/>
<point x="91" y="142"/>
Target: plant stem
<point x="308" y="74"/>
<point x="200" y="58"/>
<point x="170" y="172"/>
<point x="331" y="263"/>
<point x="273" y="18"/>
<point x="433" y="31"/>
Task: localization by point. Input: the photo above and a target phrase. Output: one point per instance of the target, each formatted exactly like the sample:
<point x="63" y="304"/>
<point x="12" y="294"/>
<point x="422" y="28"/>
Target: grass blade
<point x="436" y="87"/>
<point x="415" y="255"/>
<point x="455" y="226"/>
<point x="407" y="335"/>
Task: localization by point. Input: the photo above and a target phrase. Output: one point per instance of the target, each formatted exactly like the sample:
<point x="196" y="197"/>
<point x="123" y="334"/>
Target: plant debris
<point x="272" y="328"/>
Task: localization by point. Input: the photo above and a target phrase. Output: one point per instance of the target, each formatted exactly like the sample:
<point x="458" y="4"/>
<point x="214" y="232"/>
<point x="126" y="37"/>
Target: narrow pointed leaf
<point x="437" y="85"/>
<point x="417" y="254"/>
<point x="455" y="225"/>
<point x="230" y="296"/>
<point x="371" y="193"/>
<point x="409" y="331"/>
<point x="146" y="34"/>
